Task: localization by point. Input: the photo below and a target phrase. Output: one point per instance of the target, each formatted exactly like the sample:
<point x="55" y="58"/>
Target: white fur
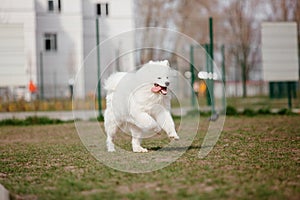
<point x="133" y="107"/>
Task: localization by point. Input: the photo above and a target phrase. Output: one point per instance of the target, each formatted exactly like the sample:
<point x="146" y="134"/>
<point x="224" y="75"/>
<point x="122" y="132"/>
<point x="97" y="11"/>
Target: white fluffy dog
<point x="138" y="102"/>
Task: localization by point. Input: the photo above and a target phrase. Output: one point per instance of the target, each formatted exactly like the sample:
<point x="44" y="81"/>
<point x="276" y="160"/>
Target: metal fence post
<point x="98" y="70"/>
<point x="211" y="52"/>
<point x="41" y="76"/>
<point x="223" y="77"/>
<point x="206" y="46"/>
<point x="192" y="75"/>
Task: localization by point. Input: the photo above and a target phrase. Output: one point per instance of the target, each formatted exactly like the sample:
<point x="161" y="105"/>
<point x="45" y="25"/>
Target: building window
<point x="54" y="5"/>
<point x="50" y="5"/>
<point x="59" y="5"/>
<point x="102" y="9"/>
<point x="50" y="42"/>
<point x="106" y="9"/>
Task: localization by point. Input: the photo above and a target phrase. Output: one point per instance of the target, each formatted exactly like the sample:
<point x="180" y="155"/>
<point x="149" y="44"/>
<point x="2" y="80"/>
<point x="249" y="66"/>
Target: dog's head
<point x="157" y="74"/>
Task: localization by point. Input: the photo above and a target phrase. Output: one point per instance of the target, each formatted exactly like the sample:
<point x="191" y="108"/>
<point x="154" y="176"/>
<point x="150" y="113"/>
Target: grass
<point x="31" y="120"/>
<point x="261" y="101"/>
<point x="255" y="158"/>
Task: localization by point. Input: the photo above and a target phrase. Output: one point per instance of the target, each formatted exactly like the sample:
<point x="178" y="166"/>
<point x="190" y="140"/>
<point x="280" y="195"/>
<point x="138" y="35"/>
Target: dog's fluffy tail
<point x="112" y="82"/>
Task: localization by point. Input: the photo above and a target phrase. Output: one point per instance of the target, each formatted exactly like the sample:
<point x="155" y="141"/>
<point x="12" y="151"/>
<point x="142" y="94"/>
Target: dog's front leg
<point x="136" y="140"/>
<point x="165" y="121"/>
<point x="145" y="122"/>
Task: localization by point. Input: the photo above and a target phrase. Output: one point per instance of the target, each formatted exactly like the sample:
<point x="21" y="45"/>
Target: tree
<point x="189" y="17"/>
<point x="284" y="10"/>
<point x="151" y="13"/>
<point x="242" y="34"/>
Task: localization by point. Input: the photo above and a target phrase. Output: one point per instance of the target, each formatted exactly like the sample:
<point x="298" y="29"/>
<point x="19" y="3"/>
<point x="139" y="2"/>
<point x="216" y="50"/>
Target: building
<point x="49" y="41"/>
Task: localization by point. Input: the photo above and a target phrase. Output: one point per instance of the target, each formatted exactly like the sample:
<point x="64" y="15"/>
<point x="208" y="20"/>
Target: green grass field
<point x="255" y="158"/>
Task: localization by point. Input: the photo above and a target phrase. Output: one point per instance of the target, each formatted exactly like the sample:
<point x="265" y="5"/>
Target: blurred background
<point x="44" y="43"/>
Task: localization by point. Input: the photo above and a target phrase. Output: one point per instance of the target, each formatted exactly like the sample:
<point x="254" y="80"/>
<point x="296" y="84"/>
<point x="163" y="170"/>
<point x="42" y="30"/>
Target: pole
<point x="192" y="74"/>
<point x="42" y="76"/>
<point x="223" y="64"/>
<point x="98" y="70"/>
<point x="223" y="77"/>
<point x="244" y="77"/>
<point x="206" y="46"/>
<point x="71" y="91"/>
<point x="211" y="52"/>
<point x="55" y="84"/>
<point x="289" y="85"/>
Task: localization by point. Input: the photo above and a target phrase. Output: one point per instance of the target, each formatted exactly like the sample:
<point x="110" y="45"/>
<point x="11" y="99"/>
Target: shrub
<point x="42" y="120"/>
<point x="285" y="111"/>
<point x="264" y="111"/>
<point x="32" y="120"/>
<point x="12" y="122"/>
<point x="100" y="118"/>
<point x="230" y="110"/>
<point x="249" y="112"/>
<point x="205" y="114"/>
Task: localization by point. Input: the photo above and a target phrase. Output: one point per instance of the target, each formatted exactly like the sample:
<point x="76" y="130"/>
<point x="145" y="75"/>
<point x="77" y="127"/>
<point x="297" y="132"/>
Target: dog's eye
<point x="159" y="78"/>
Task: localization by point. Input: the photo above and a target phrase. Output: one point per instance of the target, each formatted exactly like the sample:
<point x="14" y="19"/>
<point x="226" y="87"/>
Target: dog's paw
<point x="111" y="149"/>
<point x="139" y="149"/>
<point x="174" y="136"/>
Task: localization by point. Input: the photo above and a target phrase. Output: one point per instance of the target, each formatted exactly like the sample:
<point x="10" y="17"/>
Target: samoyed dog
<point x="139" y="103"/>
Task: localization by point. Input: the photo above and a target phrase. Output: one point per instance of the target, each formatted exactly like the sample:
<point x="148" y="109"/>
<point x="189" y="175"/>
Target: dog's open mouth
<point x="159" y="89"/>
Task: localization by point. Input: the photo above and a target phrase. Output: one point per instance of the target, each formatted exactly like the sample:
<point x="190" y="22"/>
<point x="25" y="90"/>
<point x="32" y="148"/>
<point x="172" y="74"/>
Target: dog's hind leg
<point x="136" y="140"/>
<point x="110" y="128"/>
<point x="109" y="142"/>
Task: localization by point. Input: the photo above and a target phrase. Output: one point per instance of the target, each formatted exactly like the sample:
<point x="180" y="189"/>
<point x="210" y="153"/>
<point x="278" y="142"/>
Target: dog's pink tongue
<point x="156" y="89"/>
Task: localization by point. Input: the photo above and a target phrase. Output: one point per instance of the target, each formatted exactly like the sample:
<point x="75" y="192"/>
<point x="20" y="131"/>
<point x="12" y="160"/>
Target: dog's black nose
<point x="167" y="83"/>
